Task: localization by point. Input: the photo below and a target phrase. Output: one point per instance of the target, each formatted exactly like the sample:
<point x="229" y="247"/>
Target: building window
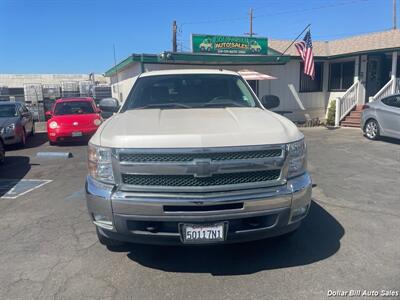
<point x="341" y="76"/>
<point x="309" y="85"/>
<point x="254" y="85"/>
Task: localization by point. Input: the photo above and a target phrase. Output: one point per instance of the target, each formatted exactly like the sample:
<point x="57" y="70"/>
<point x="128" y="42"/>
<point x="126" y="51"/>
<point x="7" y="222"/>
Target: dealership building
<point x="352" y="70"/>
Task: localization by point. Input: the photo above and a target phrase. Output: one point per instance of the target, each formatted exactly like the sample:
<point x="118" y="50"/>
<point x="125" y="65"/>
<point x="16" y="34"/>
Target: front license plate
<point x="201" y="233"/>
<point x="76" y="133"/>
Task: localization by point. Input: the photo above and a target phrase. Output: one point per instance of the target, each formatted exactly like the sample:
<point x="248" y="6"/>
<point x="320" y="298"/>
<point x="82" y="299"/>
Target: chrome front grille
<point x="200" y="170"/>
<point x="191" y="181"/>
<point x="187" y="157"/>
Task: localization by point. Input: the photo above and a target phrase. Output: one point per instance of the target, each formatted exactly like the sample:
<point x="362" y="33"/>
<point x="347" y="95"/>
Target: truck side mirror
<point x="270" y="101"/>
<point x="108" y="106"/>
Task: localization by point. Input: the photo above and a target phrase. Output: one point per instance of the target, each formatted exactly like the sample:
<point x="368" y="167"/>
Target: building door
<point x="375" y="70"/>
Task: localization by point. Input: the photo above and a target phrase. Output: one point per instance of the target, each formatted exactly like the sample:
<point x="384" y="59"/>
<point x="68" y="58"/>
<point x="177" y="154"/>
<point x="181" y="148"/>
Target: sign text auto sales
<point x="229" y="42"/>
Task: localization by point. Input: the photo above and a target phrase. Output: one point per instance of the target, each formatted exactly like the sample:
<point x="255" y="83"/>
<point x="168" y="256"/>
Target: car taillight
<point x="97" y="122"/>
<point x="365" y="106"/>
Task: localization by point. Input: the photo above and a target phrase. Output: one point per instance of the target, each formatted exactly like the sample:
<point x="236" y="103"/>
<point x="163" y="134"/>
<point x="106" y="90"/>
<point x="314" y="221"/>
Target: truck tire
<point x="109" y="243"/>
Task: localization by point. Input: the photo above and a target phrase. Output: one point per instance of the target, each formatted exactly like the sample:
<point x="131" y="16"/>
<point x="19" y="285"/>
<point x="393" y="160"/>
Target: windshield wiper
<point x="223" y="104"/>
<point x="164" y="105"/>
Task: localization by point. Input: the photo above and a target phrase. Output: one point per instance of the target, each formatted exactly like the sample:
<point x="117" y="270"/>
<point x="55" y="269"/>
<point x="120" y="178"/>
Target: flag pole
<point x="308" y="26"/>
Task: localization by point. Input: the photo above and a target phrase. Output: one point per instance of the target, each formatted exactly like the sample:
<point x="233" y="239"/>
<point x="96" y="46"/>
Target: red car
<point x="72" y="119"/>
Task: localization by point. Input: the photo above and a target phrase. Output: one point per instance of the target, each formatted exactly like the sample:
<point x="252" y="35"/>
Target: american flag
<point x="304" y="48"/>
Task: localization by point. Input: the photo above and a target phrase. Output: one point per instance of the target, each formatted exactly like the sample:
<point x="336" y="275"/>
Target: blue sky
<point x="77" y="36"/>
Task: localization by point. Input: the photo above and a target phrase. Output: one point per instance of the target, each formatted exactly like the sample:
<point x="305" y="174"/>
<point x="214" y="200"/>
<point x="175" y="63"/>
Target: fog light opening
<point x="299" y="212"/>
<point x="102" y="221"/>
<point x="152" y="229"/>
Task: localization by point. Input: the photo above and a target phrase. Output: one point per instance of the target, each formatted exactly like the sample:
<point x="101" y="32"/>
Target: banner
<point x="202" y="43"/>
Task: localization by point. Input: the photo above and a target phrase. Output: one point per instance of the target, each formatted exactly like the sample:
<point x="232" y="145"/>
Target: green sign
<point x="202" y="43"/>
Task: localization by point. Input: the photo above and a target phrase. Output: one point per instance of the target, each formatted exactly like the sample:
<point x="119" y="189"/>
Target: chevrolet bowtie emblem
<point x="203" y="168"/>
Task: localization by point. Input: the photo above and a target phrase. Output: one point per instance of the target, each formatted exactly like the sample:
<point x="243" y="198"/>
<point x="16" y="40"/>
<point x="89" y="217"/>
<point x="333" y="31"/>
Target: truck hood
<point x="194" y="128"/>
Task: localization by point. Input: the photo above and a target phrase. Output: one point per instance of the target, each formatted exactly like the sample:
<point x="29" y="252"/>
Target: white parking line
<point x="13" y="192"/>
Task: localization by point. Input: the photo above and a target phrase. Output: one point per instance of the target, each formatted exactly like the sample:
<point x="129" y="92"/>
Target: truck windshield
<point x="73" y="108"/>
<point x="7" y="111"/>
<point x="190" y="91"/>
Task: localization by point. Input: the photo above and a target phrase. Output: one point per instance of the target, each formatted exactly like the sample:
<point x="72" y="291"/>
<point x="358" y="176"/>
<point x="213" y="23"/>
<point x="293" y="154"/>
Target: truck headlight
<point x="99" y="163"/>
<point x="8" y="130"/>
<point x="297" y="158"/>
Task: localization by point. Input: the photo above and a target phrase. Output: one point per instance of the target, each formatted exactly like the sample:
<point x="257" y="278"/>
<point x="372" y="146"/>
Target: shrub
<point x="330" y="120"/>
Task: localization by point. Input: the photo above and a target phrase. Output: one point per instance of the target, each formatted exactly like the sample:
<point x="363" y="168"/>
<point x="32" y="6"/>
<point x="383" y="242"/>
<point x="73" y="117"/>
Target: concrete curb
<point x="64" y="155"/>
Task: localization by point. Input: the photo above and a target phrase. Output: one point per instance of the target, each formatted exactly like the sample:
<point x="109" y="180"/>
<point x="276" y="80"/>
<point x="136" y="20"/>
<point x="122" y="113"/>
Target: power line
<point x="333" y="5"/>
<point x="215" y="21"/>
<point x="298" y="11"/>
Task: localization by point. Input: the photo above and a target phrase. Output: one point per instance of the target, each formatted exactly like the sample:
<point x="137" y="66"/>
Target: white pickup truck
<point x="194" y="157"/>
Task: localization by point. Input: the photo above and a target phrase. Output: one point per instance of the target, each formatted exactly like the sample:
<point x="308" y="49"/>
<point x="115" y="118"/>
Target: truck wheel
<point x="107" y="241"/>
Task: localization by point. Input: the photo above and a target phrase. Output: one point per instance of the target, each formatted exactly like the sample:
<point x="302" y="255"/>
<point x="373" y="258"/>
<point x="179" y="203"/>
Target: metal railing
<point x="346" y="103"/>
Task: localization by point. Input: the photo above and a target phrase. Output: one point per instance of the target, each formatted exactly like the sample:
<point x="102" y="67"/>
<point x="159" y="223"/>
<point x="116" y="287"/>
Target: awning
<point x="253" y="75"/>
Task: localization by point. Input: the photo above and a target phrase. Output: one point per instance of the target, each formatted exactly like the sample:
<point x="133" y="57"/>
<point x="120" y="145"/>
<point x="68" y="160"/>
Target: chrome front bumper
<point x="132" y="216"/>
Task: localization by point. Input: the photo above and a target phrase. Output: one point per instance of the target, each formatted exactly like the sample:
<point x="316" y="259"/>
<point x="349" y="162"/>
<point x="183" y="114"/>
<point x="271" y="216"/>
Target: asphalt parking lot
<point x="350" y="240"/>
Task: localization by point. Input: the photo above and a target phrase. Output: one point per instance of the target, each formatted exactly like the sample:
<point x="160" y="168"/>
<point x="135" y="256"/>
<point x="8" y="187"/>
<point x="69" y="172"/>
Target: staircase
<point x="354" y="118"/>
<point x="348" y="112"/>
<point x="346" y="104"/>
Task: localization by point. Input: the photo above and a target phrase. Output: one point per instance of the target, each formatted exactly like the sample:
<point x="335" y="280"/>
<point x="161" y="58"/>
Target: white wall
<point x="121" y="90"/>
<point x="129" y="72"/>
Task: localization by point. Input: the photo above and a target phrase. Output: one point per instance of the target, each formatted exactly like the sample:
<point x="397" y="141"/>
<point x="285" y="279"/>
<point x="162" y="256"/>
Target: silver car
<point x="382" y="118"/>
<point x="16" y="123"/>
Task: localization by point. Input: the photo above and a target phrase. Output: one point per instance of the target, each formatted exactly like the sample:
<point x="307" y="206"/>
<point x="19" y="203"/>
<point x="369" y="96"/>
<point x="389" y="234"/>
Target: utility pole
<point x="174" y="45"/>
<point x="251" y="33"/>
<point x="394" y="15"/>
<point x="251" y="22"/>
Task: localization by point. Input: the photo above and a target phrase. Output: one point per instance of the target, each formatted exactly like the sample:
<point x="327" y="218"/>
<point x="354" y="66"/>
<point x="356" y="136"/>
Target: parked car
<point x="16" y="123"/>
<point x="72" y="119"/>
<point x="194" y="157"/>
<point x="382" y="118"/>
